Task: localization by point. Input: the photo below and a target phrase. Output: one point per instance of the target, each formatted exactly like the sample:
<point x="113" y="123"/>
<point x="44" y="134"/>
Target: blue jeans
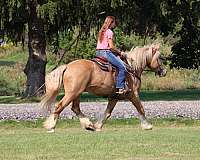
<point x="117" y="62"/>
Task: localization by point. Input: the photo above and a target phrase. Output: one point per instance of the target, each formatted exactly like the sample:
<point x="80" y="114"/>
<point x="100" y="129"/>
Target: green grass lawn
<point x="171" y="139"/>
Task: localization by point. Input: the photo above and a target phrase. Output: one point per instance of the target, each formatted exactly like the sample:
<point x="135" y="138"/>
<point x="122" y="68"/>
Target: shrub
<point x="174" y="80"/>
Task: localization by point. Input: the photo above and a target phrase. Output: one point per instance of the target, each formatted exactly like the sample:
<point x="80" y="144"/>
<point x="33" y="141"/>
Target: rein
<point x="130" y="70"/>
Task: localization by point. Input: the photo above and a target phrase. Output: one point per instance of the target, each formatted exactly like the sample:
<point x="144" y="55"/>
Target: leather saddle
<point x="107" y="66"/>
<point x="104" y="64"/>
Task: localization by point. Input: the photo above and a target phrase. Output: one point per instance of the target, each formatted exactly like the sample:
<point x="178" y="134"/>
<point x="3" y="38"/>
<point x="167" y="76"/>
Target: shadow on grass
<point x="177" y="95"/>
<point x="16" y="100"/>
<point x="170" y="95"/>
<point x="7" y="63"/>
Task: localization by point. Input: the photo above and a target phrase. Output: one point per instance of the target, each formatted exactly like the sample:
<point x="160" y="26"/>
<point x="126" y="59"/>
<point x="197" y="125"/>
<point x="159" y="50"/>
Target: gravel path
<point x="156" y="109"/>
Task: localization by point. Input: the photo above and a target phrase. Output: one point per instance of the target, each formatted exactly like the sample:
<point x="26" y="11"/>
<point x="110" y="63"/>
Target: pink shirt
<point x="104" y="44"/>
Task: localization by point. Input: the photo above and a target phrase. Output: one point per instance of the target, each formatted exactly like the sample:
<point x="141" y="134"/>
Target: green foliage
<point x="50" y="9"/>
<point x="86" y="49"/>
<point x="129" y="41"/>
<point x="174" y="80"/>
<point x="185" y="53"/>
<point x="83" y="47"/>
<point x="13" y="19"/>
<point x="12" y="78"/>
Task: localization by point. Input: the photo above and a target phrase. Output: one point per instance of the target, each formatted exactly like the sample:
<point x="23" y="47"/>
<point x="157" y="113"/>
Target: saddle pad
<point x="104" y="64"/>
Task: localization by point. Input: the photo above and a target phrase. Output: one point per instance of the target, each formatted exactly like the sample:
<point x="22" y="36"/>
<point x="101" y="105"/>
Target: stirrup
<point x="123" y="91"/>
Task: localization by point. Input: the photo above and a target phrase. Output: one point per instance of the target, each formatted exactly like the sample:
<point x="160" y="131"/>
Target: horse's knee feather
<point x="146" y="126"/>
<point x="50" y="122"/>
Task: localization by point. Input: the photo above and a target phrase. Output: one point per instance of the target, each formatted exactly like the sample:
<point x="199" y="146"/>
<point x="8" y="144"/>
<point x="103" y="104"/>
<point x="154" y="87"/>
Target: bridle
<point x="159" y="60"/>
<point x="132" y="71"/>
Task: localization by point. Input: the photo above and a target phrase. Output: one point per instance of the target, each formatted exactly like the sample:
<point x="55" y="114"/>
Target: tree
<point x="35" y="67"/>
<point x="186" y="52"/>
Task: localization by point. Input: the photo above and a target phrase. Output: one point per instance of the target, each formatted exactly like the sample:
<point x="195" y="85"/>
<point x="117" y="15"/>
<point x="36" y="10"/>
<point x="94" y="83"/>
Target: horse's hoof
<point x="90" y="128"/>
<point x="51" y="131"/>
<point x="98" y="127"/>
<point x="50" y="122"/>
<point x="146" y="126"/>
<point x="87" y="124"/>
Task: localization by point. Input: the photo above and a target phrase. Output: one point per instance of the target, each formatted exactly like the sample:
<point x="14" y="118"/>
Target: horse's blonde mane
<point x="139" y="56"/>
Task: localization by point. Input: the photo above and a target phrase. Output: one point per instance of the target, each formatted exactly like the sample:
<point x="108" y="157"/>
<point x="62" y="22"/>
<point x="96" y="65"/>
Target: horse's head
<point x="140" y="57"/>
<point x="155" y="60"/>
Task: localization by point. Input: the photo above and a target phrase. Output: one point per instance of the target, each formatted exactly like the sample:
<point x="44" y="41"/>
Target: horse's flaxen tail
<point x="53" y="82"/>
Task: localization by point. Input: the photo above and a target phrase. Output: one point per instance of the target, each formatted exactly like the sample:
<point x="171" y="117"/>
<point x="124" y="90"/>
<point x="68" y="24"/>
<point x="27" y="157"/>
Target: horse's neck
<point x="137" y="68"/>
<point x="138" y="60"/>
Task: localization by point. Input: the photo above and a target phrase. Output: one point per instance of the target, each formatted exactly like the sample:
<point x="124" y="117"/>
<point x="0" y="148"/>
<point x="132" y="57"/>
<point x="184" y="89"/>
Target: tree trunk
<point x="35" y="67"/>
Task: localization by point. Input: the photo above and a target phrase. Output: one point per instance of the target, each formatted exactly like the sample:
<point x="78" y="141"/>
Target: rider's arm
<point x="113" y="48"/>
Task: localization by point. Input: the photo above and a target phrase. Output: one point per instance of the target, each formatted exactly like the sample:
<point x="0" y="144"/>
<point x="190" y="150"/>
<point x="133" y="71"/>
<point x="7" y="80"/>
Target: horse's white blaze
<point x="50" y="123"/>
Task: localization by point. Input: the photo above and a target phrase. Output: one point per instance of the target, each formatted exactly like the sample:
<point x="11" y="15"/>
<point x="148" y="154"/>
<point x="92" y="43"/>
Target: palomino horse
<point x="85" y="75"/>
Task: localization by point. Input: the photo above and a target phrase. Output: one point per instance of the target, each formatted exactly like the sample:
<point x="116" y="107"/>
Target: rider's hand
<point x="122" y="54"/>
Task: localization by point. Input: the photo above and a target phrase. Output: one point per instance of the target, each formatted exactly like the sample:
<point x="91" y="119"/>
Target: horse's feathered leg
<point x="50" y="123"/>
<point x="102" y="118"/>
<point x="53" y="83"/>
<point x="137" y="103"/>
<point x="85" y="122"/>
